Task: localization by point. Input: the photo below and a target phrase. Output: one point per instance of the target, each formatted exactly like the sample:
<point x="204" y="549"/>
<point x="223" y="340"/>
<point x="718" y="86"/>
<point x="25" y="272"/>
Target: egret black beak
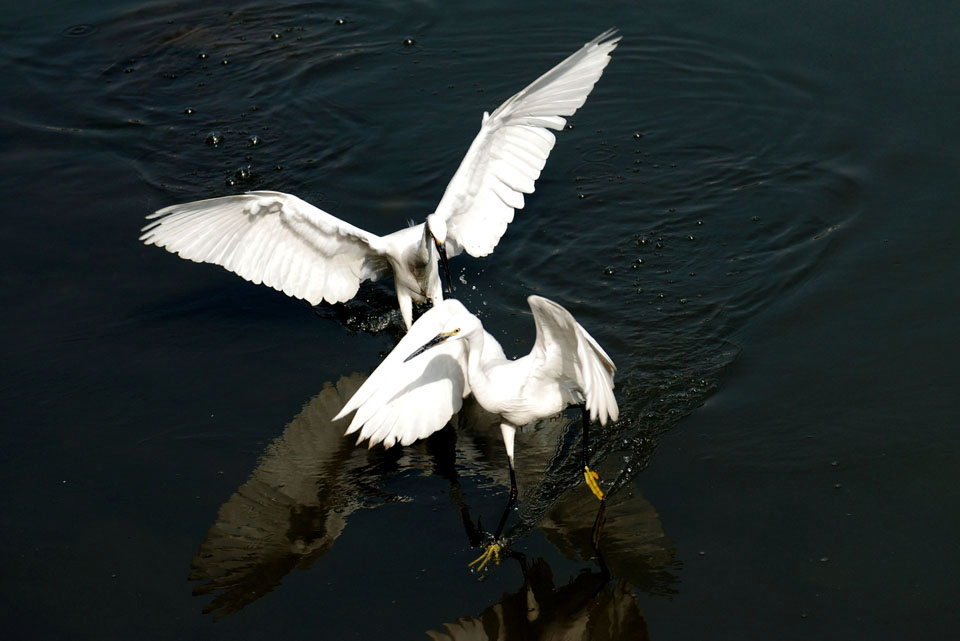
<point x="433" y="342"/>
<point x="442" y="248"/>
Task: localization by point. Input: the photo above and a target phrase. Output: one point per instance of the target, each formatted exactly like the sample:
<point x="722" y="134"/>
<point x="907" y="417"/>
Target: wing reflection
<point x="290" y="511"/>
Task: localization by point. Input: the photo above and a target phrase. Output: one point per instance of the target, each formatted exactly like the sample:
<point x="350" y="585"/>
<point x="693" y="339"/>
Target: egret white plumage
<point x="288" y="244"/>
<point x="447" y="355"/>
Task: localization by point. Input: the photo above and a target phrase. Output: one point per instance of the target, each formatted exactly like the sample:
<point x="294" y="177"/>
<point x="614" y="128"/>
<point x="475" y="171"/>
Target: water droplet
<point x="188" y="111"/>
<point x="224" y="62"/>
<point x="691" y="237"/>
<point x="660" y="295"/>
<point x="581" y="195"/>
<point x="253" y="140"/>
<point x="609" y="271"/>
<point x="275" y="36"/>
<point x="638" y="135"/>
<point x="230" y="182"/>
<point x="569" y="126"/>
<point x="340" y="21"/>
<point x="245" y="174"/>
<point x="214" y="138"/>
<point x="755" y="218"/>
<point x="409" y="42"/>
<point x="699" y="222"/>
<point x="702" y="553"/>
<point x="837" y="486"/>
<point x="834" y="463"/>
<point x="683" y="301"/>
<point x="202" y="55"/>
<point x="824" y="559"/>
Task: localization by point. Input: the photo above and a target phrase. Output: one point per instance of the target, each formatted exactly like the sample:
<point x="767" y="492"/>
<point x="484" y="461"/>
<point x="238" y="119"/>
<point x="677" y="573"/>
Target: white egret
<point x="281" y="241"/>
<point x="412" y="394"/>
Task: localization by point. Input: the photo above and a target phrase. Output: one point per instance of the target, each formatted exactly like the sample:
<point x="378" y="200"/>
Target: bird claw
<point x="591" y="478"/>
<point x="492" y="552"/>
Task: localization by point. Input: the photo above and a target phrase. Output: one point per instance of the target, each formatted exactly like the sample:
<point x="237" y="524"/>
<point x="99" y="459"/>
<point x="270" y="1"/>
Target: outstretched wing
<point x="402" y="401"/>
<point x="514" y="141"/>
<point x="272" y="238"/>
<point x="565" y="350"/>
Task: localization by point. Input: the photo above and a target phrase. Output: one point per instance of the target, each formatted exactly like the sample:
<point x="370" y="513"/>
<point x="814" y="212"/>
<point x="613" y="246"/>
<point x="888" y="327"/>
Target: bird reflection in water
<point x="593" y="605"/>
<point x="311" y="479"/>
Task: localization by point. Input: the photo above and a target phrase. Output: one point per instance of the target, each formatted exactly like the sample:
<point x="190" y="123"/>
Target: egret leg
<point x="589" y="475"/>
<point x="492" y="553"/>
<point x="493" y="550"/>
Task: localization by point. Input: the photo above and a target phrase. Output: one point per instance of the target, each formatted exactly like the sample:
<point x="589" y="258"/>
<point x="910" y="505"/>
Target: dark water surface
<point x="754" y="213"/>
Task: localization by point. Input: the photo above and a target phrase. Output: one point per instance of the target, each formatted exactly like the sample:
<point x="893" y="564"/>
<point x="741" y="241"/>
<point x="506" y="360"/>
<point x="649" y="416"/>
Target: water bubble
<point x="214" y="138"/>
<point x="409" y="42"/>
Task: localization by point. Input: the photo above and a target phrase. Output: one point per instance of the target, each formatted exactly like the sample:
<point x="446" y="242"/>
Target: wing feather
<point x="402" y="402"/>
<point x="508" y="154"/>
<point x="564" y="349"/>
<point x="275" y="239"/>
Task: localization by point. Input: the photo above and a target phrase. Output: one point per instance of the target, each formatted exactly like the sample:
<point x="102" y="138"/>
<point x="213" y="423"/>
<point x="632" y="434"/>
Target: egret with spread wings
<point x="288" y="244"/>
<point x="447" y="355"/>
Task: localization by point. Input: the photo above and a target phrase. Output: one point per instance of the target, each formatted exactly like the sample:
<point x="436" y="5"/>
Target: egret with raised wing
<point x="279" y="240"/>
<point x="447" y="355"/>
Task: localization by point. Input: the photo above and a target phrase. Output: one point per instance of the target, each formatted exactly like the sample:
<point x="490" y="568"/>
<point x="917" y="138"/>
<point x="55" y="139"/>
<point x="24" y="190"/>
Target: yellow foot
<point x="493" y="552"/>
<point x="591" y="478"/>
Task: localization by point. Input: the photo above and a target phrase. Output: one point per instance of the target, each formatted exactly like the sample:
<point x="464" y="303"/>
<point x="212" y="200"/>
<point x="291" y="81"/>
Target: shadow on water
<point x="310" y="480"/>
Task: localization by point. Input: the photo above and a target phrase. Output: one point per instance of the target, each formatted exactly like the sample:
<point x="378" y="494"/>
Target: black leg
<point x="585" y="418"/>
<point x="506" y="510"/>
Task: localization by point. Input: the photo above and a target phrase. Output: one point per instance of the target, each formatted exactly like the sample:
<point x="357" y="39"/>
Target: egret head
<point x="437" y="227"/>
